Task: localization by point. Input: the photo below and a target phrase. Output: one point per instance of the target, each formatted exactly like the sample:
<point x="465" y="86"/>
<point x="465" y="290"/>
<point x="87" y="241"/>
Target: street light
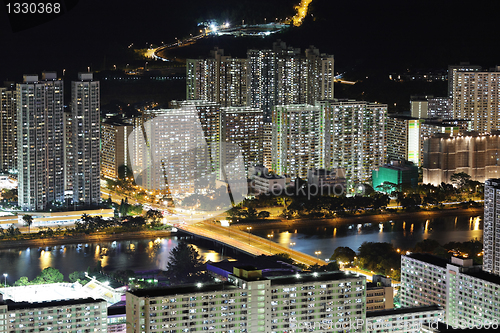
<point x="317" y="253"/>
<point x="5" y="279"/>
<point x="270" y="242"/>
<point x="248" y="230"/>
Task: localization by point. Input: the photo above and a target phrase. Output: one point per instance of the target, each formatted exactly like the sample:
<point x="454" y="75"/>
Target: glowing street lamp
<point x="270" y="242"/>
<point x="248" y="230"/>
<point x="5" y="279"/>
<point x="317" y="253"/>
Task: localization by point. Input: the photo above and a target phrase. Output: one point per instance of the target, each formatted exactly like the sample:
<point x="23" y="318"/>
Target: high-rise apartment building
<point x="476" y="96"/>
<point x="468" y="294"/>
<point x="396" y="134"/>
<point x="452" y="74"/>
<point x="491" y="233"/>
<point x="440" y="107"/>
<point x="85" y="127"/>
<point x="220" y="79"/>
<point x="277" y="76"/>
<point x="282" y="76"/>
<point x="253" y="304"/>
<point x="72" y="316"/>
<point x="242" y="127"/>
<point x="114" y="151"/>
<point x="8" y="128"/>
<point x="40" y="141"/>
<point x="297" y="140"/>
<point x="332" y="134"/>
<point x="355" y="137"/>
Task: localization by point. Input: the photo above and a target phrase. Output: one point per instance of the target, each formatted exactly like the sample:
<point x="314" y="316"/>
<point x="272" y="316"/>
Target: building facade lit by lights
<point x="468" y="294"/>
<point x="86" y="137"/>
<point x="8" y="128"/>
<point x="277" y="76"/>
<point x="114" y="148"/>
<point x="472" y="153"/>
<point x="331" y="134"/>
<point x="219" y="79"/>
<point x="282" y="76"/>
<point x="354" y="137"/>
<point x="491" y="259"/>
<point x="476" y="96"/>
<point x="252" y="304"/>
<point x="40" y="141"/>
<point x="76" y="315"/>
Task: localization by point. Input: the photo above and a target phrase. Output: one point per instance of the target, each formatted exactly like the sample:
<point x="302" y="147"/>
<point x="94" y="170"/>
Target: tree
<point x="76" y="276"/>
<point x="154" y="217"/>
<point x="460" y="180"/>
<point x="184" y="264"/>
<point x="426" y="246"/>
<point x="343" y="254"/>
<point x="23" y="281"/>
<point x="49" y="275"/>
<point x="28" y="221"/>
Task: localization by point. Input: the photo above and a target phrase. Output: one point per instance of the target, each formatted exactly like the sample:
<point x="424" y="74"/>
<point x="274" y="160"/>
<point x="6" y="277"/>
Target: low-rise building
<point x="262" y="181"/>
<point x="397" y="173"/>
<point x="379" y="294"/>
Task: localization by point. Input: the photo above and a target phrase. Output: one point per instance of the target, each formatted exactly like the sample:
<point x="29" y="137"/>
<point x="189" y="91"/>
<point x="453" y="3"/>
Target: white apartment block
<point x="469" y="295"/>
<point x="355" y="137"/>
<point x="491" y="233"/>
<point x="334" y="301"/>
<point x="241" y="128"/>
<point x="452" y="74"/>
<point x="220" y="79"/>
<point x="476" y="96"/>
<point x="85" y="144"/>
<point x="71" y="316"/>
<point x="404" y="320"/>
<point x="277" y="76"/>
<point x="40" y="141"/>
<point x="396" y="133"/>
<point x="282" y="76"/>
<point x="297" y="139"/>
<point x="8" y="129"/>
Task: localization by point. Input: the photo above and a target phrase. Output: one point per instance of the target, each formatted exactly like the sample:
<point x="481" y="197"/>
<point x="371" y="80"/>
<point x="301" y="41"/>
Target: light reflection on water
<point x="120" y="255"/>
<point x="402" y="234"/>
<point x="154" y="254"/>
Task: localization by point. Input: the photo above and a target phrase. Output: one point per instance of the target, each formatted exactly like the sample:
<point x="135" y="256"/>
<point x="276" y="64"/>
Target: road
<point x="247" y="242"/>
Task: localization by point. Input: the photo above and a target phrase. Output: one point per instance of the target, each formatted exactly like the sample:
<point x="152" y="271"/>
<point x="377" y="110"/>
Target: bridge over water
<point x="245" y="241"/>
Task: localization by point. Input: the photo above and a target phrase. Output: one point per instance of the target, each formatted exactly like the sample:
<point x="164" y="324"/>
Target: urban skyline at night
<point x="269" y="166"/>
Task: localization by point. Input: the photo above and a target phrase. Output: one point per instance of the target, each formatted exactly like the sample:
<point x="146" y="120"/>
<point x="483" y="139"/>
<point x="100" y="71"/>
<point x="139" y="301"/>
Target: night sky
<point x="384" y="35"/>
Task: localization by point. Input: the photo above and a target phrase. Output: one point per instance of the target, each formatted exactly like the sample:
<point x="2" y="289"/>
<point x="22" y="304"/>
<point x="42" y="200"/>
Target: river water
<point x="141" y="255"/>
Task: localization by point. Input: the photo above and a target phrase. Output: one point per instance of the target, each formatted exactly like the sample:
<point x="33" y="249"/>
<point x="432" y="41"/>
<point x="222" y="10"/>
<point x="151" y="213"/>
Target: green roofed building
<point x="395" y="173"/>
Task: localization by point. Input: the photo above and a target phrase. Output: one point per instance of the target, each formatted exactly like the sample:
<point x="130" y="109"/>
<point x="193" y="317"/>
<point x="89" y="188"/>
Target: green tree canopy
<point x="184" y="265"/>
<point x="343" y="254"/>
<point x="49" y="275"/>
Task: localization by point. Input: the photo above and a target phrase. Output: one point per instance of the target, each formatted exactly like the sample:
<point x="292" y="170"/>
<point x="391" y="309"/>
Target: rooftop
<point x="482" y="275"/>
<point x="429" y="258"/>
<point x="312" y="277"/>
<point x="57" y="304"/>
<point x="183" y="289"/>
<point x="400" y="311"/>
